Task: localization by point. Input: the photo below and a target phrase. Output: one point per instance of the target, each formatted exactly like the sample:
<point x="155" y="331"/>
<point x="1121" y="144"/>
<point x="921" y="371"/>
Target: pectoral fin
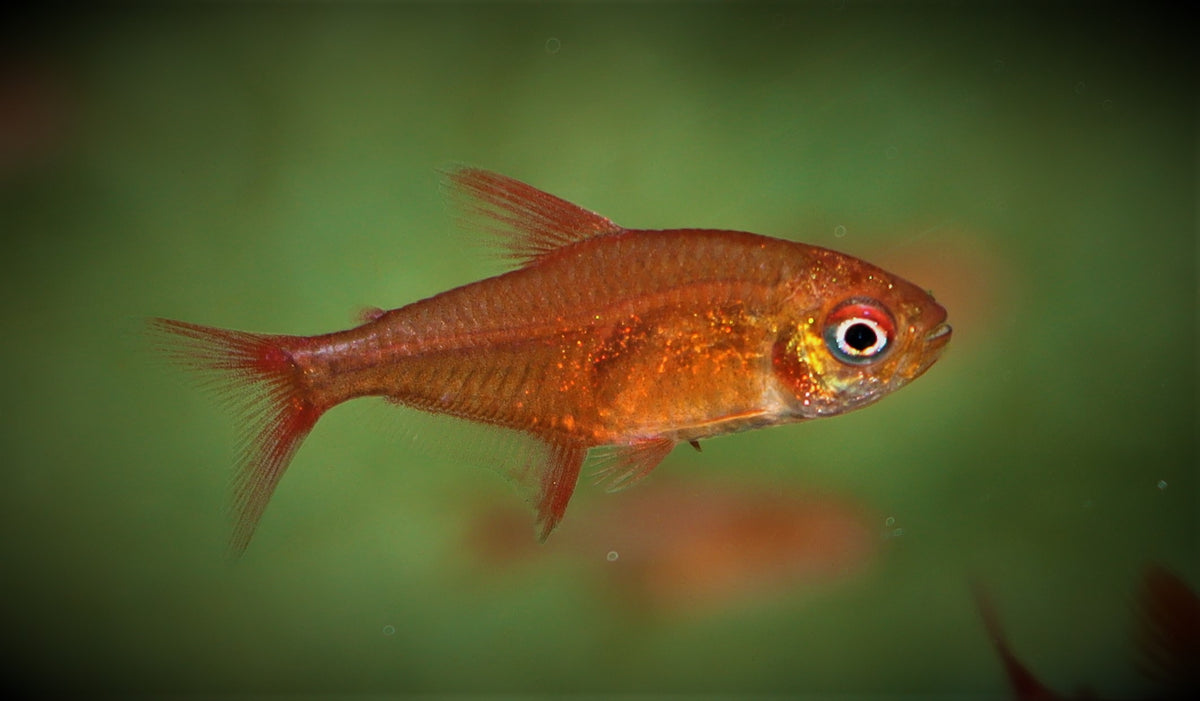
<point x="624" y="466"/>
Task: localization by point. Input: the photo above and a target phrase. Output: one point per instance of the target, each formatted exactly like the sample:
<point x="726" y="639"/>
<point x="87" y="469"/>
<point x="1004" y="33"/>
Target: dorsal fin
<point x="529" y="223"/>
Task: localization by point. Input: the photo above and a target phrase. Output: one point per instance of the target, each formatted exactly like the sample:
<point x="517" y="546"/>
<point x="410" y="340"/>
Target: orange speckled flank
<point x="604" y="336"/>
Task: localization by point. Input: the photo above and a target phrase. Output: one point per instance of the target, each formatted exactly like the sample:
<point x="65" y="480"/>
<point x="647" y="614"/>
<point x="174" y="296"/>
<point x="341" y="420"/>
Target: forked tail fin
<point x="258" y="377"/>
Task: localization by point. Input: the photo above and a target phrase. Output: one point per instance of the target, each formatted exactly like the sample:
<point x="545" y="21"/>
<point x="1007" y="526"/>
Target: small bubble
<point x="612" y="556"/>
<point x="839" y="231"/>
<point x="553" y="45"/>
<point x="889" y="521"/>
<point x="1162" y="485"/>
<point x="389" y="630"/>
<point x="1080" y="87"/>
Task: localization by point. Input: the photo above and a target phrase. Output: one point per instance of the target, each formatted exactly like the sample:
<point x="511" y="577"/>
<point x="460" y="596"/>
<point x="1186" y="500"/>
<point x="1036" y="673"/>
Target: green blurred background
<point x="273" y="168"/>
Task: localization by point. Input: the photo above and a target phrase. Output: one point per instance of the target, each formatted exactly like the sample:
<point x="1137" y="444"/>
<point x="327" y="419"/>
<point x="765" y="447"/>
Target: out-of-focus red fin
<point x="529" y="222"/>
<point x="256" y="375"/>
<point x="1168" y="635"/>
<point x="623" y="466"/>
<point x="1025" y="685"/>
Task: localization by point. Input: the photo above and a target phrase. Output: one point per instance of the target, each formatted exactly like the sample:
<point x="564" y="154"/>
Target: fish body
<point x="603" y="336"/>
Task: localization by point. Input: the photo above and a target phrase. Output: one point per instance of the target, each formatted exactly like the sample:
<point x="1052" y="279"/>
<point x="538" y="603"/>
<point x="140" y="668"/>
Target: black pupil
<point x="860" y="337"/>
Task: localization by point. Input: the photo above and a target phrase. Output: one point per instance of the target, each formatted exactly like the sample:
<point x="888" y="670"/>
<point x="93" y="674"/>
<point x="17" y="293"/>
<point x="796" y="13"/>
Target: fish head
<point x="851" y="333"/>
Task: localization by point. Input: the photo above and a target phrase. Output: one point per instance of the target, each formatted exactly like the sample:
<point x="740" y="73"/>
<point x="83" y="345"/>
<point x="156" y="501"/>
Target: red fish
<point x="603" y="336"/>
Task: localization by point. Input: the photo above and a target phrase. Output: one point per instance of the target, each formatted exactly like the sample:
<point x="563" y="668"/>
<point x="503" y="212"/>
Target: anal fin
<point x="542" y="472"/>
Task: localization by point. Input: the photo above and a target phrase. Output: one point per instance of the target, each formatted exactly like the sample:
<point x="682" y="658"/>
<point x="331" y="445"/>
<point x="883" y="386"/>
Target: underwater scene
<point x="1014" y="518"/>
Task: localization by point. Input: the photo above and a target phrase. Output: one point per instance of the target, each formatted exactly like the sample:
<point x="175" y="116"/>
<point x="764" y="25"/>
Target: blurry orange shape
<point x="703" y="547"/>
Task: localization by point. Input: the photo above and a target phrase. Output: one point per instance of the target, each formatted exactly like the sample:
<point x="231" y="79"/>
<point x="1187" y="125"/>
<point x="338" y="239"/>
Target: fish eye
<point x="859" y="331"/>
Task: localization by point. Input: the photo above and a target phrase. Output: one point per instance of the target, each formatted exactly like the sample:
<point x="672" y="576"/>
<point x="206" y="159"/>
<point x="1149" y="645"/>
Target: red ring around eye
<point x="859" y="331"/>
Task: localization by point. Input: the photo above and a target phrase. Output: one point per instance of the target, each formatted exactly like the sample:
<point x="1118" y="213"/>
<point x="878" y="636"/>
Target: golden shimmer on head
<point x="604" y="337"/>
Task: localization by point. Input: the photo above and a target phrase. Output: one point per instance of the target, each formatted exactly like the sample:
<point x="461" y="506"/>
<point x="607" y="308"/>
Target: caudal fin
<point x="257" y="376"/>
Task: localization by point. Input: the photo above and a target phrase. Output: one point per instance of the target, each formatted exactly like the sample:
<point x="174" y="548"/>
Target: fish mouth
<point x="934" y="319"/>
<point x="935" y="342"/>
<point x="939" y="334"/>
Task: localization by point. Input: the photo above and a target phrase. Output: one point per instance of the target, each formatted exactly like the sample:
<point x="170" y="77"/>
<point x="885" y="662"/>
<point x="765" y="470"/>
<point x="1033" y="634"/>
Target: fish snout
<point x="933" y="341"/>
<point x="938" y="336"/>
<point x="938" y="332"/>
